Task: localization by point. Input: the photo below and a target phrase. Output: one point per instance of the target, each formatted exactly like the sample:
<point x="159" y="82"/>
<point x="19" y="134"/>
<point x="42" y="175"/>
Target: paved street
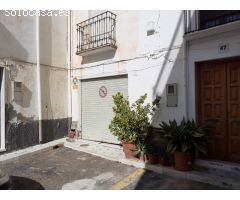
<point x="63" y="168"/>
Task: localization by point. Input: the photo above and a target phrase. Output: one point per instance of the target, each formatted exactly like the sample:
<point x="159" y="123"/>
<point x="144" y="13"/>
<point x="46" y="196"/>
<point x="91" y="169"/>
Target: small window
<point x="170" y="89"/>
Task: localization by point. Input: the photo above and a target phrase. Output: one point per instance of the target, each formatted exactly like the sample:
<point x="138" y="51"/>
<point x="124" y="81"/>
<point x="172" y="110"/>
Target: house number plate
<point x="223" y="48"/>
<point x="103" y="91"/>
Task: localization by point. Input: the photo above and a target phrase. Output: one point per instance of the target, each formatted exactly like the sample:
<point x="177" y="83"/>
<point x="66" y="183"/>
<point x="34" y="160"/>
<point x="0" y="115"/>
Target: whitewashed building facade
<point x="189" y="58"/>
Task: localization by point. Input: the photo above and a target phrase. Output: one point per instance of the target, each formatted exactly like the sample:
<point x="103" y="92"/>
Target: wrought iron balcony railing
<point x="203" y="19"/>
<point x="96" y="32"/>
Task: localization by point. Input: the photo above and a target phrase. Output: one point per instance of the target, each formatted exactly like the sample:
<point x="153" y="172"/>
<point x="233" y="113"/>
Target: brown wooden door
<point x="212" y="106"/>
<point x="233" y="88"/>
<point x="219" y="107"/>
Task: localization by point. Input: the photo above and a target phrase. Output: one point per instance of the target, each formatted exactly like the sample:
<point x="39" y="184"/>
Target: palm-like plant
<point x="140" y="149"/>
<point x="185" y="137"/>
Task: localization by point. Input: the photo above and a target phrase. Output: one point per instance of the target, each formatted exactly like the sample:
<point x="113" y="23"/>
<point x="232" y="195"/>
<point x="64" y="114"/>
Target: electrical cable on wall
<point x="133" y="70"/>
<point x="155" y="55"/>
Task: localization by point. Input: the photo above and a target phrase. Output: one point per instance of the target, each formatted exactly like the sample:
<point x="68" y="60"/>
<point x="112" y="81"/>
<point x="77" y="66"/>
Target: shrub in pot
<point x="157" y="147"/>
<point x="184" y="141"/>
<point x="164" y="156"/>
<point x="140" y="151"/>
<point x="131" y="121"/>
<point x="152" y="154"/>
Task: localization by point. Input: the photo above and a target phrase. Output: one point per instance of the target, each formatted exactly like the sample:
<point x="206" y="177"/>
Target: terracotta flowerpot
<point x="163" y="162"/>
<point x="153" y="159"/>
<point x="183" y="161"/>
<point x="71" y="134"/>
<point x="128" y="149"/>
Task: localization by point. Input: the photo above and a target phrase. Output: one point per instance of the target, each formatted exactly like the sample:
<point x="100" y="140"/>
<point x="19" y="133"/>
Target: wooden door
<point x="233" y="104"/>
<point x="218" y="85"/>
<point x="212" y="106"/>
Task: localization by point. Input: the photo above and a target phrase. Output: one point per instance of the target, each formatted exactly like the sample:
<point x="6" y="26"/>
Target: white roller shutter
<point x="96" y="110"/>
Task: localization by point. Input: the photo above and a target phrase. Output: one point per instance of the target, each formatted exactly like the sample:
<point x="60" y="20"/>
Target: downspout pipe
<point x="69" y="63"/>
<point x="39" y="94"/>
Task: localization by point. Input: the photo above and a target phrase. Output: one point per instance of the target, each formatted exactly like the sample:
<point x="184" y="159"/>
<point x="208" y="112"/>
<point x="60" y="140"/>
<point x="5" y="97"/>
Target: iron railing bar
<point x="96" y="17"/>
<point x="210" y="22"/>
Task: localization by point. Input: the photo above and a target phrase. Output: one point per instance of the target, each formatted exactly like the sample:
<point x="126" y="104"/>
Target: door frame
<point x="2" y="133"/>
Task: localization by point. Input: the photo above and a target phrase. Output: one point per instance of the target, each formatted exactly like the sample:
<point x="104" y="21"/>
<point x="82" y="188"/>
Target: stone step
<point x="224" y="174"/>
<point x="214" y="179"/>
<point x="220" y="168"/>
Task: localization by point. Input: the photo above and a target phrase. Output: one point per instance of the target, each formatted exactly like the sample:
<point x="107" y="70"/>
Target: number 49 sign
<point x="103" y="91"/>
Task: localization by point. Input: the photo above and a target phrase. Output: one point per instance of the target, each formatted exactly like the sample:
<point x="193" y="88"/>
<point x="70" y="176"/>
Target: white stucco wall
<point x="18" y="40"/>
<point x="148" y="74"/>
<point x="27" y="109"/>
<point x="53" y="41"/>
<point x="206" y="48"/>
<point x="18" y="37"/>
<point x="53" y="59"/>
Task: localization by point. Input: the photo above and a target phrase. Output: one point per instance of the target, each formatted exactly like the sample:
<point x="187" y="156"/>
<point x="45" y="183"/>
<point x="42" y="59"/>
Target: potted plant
<point x="164" y="156"/>
<point x="184" y="141"/>
<point x="140" y="151"/>
<point x="131" y="121"/>
<point x="152" y="154"/>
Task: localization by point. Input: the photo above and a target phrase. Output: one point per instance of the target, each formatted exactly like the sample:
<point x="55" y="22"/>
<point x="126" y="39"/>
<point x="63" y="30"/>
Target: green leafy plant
<point x="164" y="154"/>
<point x="131" y="121"/>
<point x="185" y="137"/>
<point x="153" y="140"/>
<point x="140" y="149"/>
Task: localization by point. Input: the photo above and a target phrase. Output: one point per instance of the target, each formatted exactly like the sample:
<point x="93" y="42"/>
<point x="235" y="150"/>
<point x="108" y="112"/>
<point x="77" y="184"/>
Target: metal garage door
<point x="97" y="103"/>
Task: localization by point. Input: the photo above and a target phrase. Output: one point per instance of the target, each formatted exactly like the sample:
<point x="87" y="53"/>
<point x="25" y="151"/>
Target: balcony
<point x="96" y="34"/>
<point x="205" y="19"/>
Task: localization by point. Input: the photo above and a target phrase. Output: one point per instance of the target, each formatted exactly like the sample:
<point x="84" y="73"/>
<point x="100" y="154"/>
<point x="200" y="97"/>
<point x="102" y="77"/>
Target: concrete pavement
<point x="64" y="168"/>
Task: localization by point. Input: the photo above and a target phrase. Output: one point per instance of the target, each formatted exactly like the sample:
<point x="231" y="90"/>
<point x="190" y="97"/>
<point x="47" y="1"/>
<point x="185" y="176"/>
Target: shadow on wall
<point x="45" y="37"/>
<point x="166" y="60"/>
<point x="53" y="127"/>
<point x="45" y="30"/>
<point x="21" y="131"/>
<point x="164" y="112"/>
<point x="100" y="56"/>
<point x="10" y="46"/>
<point x="14" y="115"/>
<point x="26" y="97"/>
<point x="13" y="112"/>
<point x="175" y="65"/>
